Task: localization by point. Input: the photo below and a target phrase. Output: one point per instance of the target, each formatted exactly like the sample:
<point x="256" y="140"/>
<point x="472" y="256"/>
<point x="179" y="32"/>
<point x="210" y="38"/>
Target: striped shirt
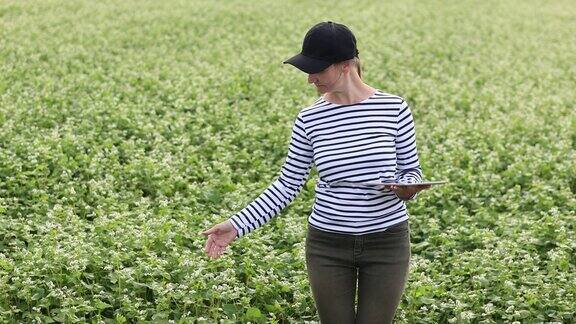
<point x="371" y="141"/>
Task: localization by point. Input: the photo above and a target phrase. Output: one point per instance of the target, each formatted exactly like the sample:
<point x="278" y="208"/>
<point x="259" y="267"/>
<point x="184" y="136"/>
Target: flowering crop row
<point x="127" y="128"/>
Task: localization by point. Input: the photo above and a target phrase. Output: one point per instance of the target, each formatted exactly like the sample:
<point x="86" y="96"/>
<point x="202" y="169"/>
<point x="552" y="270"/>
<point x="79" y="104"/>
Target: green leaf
<point x="231" y="310"/>
<point x="253" y="313"/>
<point x="101" y="305"/>
<point x="120" y="318"/>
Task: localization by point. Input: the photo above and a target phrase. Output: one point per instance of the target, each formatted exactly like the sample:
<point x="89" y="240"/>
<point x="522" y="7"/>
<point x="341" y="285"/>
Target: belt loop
<point x="358" y="244"/>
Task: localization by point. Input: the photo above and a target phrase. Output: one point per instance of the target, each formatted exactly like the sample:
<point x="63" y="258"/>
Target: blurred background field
<point x="128" y="127"/>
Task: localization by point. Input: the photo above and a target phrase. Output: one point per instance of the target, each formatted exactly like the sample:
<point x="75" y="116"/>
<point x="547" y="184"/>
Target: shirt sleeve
<point x="407" y="165"/>
<point x="293" y="175"/>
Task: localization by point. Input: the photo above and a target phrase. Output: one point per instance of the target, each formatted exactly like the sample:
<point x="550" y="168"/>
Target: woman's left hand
<point x="406" y="192"/>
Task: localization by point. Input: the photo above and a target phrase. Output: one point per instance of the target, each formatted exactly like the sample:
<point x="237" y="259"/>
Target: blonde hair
<point x="356" y="62"/>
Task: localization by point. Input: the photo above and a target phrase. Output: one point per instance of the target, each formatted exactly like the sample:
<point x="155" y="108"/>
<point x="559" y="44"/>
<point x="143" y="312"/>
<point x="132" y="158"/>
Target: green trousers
<point x="372" y="266"/>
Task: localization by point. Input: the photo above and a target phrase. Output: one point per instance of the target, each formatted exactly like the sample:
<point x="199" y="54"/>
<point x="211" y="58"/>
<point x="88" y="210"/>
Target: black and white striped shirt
<point x="373" y="140"/>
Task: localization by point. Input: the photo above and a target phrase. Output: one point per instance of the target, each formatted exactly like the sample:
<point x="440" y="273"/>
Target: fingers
<point x="213" y="249"/>
<point x="402" y="192"/>
<point x="216" y="251"/>
<point x="219" y="250"/>
<point x="208" y="245"/>
<point x="389" y="187"/>
<point x="213" y="230"/>
<point x="394" y="188"/>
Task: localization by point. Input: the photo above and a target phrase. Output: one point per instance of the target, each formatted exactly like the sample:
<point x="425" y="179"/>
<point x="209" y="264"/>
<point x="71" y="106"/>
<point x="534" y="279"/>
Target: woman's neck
<point x="354" y="93"/>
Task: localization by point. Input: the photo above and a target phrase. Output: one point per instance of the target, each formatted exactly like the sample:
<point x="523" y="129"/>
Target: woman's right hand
<point x="405" y="192"/>
<point x="219" y="237"/>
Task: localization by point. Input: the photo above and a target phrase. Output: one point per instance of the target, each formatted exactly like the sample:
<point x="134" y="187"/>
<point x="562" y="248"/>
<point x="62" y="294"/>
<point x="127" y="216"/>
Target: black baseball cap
<point x="324" y="44"/>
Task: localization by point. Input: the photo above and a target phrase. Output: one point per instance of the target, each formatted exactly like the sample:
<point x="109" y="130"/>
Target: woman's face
<point x="326" y="80"/>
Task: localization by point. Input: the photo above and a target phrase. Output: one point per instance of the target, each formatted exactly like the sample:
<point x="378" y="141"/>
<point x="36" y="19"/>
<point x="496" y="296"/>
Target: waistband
<point x="350" y="236"/>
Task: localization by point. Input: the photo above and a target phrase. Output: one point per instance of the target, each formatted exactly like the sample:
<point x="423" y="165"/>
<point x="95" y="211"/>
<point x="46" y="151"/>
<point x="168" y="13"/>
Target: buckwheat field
<point x="129" y="127"/>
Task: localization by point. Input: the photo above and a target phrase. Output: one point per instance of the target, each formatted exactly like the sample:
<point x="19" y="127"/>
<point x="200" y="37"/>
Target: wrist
<point x="236" y="225"/>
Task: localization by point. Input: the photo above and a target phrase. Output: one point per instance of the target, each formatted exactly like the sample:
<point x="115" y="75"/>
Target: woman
<point x="358" y="233"/>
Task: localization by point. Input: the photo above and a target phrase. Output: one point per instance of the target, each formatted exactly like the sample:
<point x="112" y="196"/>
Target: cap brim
<point x="307" y="64"/>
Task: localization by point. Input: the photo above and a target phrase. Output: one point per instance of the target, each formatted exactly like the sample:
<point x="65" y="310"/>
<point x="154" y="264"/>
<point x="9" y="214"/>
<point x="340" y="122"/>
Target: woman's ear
<point x="346" y="66"/>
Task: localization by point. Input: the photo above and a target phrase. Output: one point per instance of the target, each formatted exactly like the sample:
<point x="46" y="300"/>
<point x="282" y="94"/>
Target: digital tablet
<point x="382" y="184"/>
<point x="432" y="183"/>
